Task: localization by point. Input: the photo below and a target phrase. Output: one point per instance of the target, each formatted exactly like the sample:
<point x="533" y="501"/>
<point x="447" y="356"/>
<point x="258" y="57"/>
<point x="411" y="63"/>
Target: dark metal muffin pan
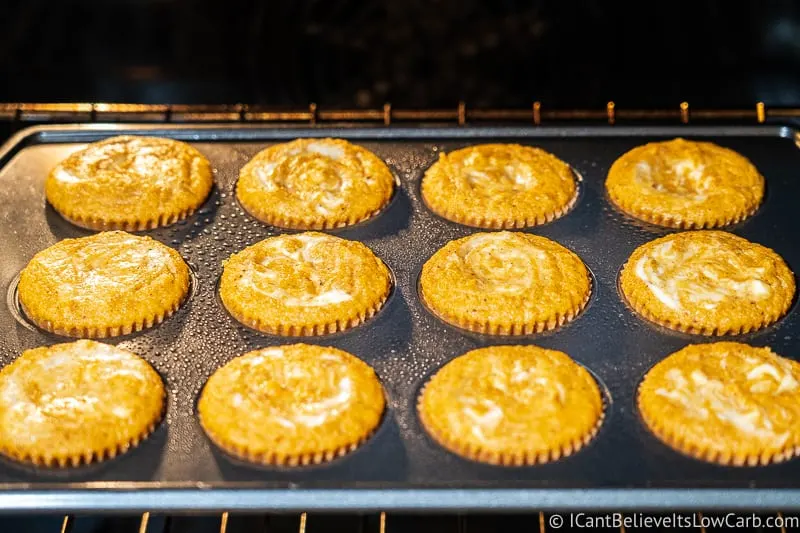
<point x="400" y="467"/>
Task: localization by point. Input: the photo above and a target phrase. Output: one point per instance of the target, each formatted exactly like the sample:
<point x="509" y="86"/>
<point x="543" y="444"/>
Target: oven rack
<point x="378" y="523"/>
<point x="387" y="115"/>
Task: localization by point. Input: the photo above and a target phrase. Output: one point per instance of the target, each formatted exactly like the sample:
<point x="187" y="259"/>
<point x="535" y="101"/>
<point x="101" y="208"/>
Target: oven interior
<point x="452" y="64"/>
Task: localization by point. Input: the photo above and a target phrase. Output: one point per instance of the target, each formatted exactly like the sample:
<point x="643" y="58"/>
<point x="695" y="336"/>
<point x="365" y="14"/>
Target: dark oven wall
<point x="413" y="53"/>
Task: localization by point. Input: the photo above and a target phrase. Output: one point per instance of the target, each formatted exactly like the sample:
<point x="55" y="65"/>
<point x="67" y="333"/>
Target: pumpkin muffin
<point x="314" y="184"/>
<point x="108" y="284"/>
<point x="505" y="283"/>
<point x="725" y="402"/>
<point x="707" y="282"/>
<point x="291" y="405"/>
<point x="685" y="184"/>
<point x="130" y="183"/>
<point x="499" y="186"/>
<point x="77" y="403"/>
<point x="304" y="284"/>
<point x="512" y="405"/>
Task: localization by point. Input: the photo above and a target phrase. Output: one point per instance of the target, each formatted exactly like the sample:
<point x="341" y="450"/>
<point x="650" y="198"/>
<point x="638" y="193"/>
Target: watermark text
<point x="670" y="521"/>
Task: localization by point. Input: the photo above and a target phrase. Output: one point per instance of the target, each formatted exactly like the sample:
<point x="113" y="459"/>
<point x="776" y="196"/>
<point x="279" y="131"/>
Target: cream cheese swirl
<point x="699" y="274"/>
<point x="296" y="253"/>
<point x="702" y="397"/>
<point x="502" y="262"/>
<point x="316" y="173"/>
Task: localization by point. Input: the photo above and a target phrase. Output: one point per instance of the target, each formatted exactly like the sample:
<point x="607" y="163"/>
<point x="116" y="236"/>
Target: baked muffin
<point x="291" y="405"/>
<point x="499" y="186"/>
<point x="130" y="183"/>
<point x="77" y="403"/>
<point x="108" y="284"/>
<point x="304" y="284"/>
<point x="512" y="405"/>
<point x="685" y="184"/>
<point x="707" y="282"/>
<point x="725" y="402"/>
<point x="505" y="283"/>
<point x="314" y="184"/>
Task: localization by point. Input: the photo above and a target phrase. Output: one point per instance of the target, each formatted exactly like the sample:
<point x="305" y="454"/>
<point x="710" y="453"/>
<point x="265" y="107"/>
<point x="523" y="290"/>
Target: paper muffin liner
<point x="99" y="224"/>
<point x="746" y="327"/>
<point x="554" y="321"/>
<point x="309" y="330"/>
<point x="285" y="459"/>
<point x="86" y="458"/>
<point x="676" y="221"/>
<point x="454" y="214"/>
<point x="308" y="222"/>
<point x="529" y="458"/>
<point x="723" y="457"/>
<point x="95" y="332"/>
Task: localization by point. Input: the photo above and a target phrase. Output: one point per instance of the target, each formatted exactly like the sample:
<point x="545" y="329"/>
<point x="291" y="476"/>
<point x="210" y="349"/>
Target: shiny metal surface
<point x="400" y="468"/>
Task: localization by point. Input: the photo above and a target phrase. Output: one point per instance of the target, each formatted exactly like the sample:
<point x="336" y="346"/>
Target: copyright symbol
<point x="556" y="521"/>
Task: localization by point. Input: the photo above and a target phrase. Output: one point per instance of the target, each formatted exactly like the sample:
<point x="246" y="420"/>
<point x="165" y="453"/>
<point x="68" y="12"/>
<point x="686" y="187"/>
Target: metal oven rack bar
<point x="25" y="113"/>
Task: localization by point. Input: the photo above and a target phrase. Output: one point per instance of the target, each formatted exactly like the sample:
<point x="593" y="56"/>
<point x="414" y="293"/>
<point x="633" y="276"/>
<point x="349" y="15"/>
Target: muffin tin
<point x="400" y="467"/>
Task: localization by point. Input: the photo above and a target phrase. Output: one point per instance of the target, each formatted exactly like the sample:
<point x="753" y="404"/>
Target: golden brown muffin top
<point x="289" y="401"/>
<point x="314" y="184"/>
<point x="512" y="400"/>
<point x="686" y="184"/>
<point x="704" y="276"/>
<point x="724" y="398"/>
<point x="499" y="186"/>
<point x="127" y="178"/>
<point x="60" y="402"/>
<point x="505" y="277"/>
<point x="304" y="279"/>
<point x="107" y="279"/>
